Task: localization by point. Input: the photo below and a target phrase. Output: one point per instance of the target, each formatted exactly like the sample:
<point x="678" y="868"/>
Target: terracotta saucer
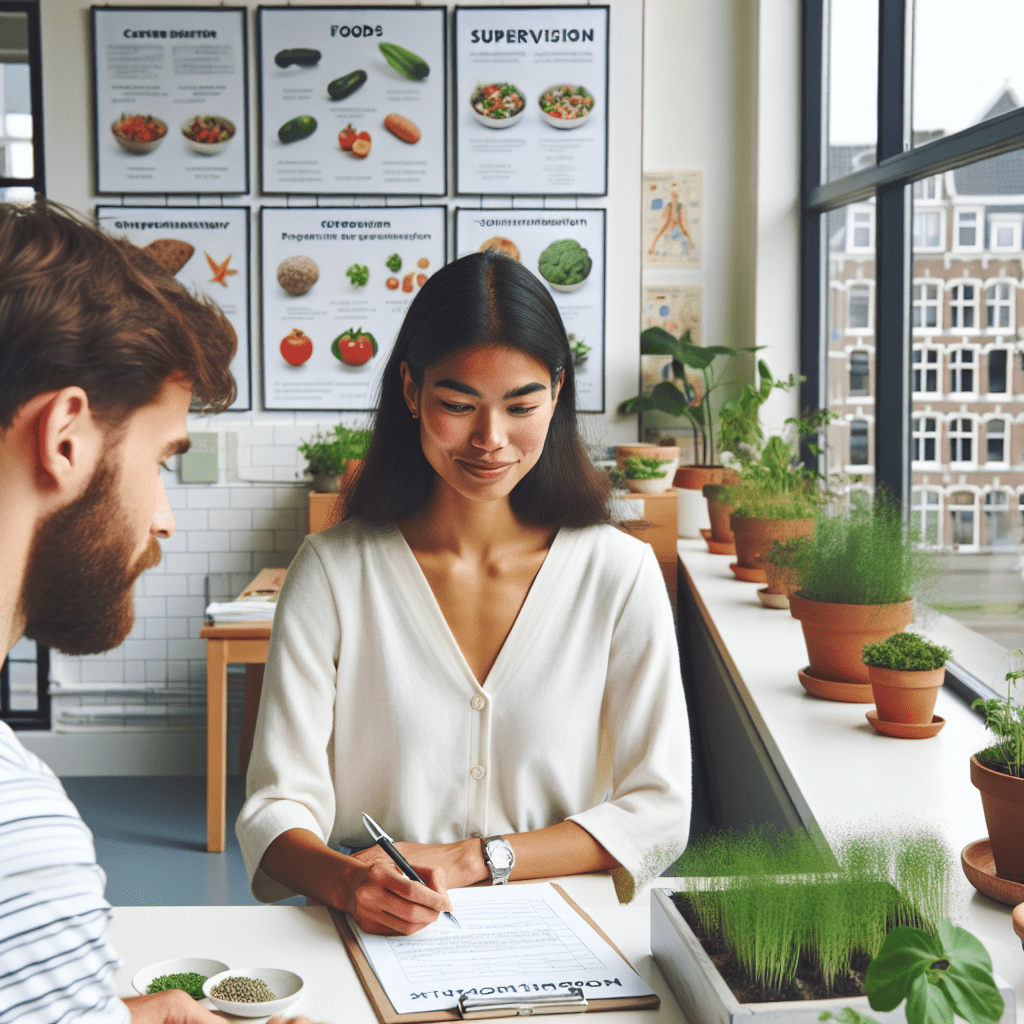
<point x="833" y="689"/>
<point x="721" y="547"/>
<point x="747" y="575"/>
<point x="904" y="730"/>
<point x="705" y="533"/>
<point x="772" y="600"/>
<point x="980" y="869"/>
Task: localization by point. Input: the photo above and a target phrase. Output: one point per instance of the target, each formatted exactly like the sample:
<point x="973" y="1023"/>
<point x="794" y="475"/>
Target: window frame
<point x="869" y="328"/>
<point x="957" y="365"/>
<point x="38" y="180"/>
<point x="1006" y="419"/>
<point x="926" y="350"/>
<point x="955" y="433"/>
<point x="927" y="282"/>
<point x="978" y="213"/>
<point x="1011" y="305"/>
<point x="962" y="303"/>
<point x="922" y="211"/>
<point x="1008" y="352"/>
<point x="1002" y="220"/>
<point x="923" y="435"/>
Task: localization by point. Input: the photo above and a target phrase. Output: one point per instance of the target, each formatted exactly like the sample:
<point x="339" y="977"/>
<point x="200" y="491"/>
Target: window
<point x="860" y="383"/>
<point x="999" y="306"/>
<point x="24" y="686"/>
<point x="924" y="446"/>
<point x="924" y="313"/>
<point x="859" y="443"/>
<point x="998" y="527"/>
<point x="928" y="229"/>
<point x="1004" y="235"/>
<point x="961" y="439"/>
<point x="961" y="370"/>
<point x="962" y="301"/>
<point x="997" y="363"/>
<point x="925" y="370"/>
<point x="961" y="512"/>
<point x="928" y="188"/>
<point x="968" y="230"/>
<point x="21" y="122"/>
<point x="926" y="507"/>
<point x="860" y="229"/>
<point x="859" y="317"/>
<point x="995" y="441"/>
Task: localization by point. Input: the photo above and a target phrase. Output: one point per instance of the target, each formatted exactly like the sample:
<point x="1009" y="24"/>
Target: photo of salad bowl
<point x="139" y="133"/>
<point x="566" y="106"/>
<point x="207" y="133"/>
<point x="497" y="104"/>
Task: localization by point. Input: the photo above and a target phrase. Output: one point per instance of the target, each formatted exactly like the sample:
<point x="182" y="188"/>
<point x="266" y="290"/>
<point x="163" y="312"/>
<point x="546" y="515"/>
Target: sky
<point x="964" y="53"/>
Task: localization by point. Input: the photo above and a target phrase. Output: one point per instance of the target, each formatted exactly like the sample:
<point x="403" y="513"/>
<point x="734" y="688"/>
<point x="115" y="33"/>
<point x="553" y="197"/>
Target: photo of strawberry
<point x="346" y="137"/>
<point x="361" y="145"/>
<point x="354" y="347"/>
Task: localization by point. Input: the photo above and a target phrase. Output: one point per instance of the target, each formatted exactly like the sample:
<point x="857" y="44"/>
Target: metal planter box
<point x="705" y="997"/>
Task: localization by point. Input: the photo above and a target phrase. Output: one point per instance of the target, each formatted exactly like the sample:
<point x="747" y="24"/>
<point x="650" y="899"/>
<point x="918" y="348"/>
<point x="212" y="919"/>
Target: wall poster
<point x="337" y="282"/>
<point x="170" y="94"/>
<point x="670" y="221"/>
<point x="531" y="100"/>
<point x="565" y="249"/>
<point x="352" y="100"/>
<point x="675" y="307"/>
<point x="207" y="249"/>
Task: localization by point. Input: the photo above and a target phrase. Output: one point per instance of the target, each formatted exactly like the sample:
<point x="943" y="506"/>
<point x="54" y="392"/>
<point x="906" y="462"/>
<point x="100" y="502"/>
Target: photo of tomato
<point x="296" y="348"/>
<point x="354" y="347"/>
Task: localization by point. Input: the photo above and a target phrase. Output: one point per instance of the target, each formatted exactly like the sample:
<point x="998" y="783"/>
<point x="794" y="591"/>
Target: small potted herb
<point x="782" y="564"/>
<point x="905" y="672"/>
<point x="330" y="456"/>
<point x="645" y="475"/>
<point x="998" y="774"/>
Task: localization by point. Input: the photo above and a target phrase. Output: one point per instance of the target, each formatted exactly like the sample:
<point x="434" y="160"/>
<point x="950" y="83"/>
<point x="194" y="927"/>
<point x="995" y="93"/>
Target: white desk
<point x="303" y="939"/>
<point x="845" y="772"/>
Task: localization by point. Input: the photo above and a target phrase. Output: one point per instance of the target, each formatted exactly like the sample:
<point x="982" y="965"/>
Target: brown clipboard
<point x="387" y="1014"/>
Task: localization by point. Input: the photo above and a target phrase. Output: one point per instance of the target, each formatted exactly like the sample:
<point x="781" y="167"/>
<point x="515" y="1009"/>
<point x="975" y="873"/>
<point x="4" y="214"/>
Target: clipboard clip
<point x="572" y="1000"/>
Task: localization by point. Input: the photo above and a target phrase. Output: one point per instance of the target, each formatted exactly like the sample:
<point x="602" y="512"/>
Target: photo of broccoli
<point x="358" y="274"/>
<point x="565" y="264"/>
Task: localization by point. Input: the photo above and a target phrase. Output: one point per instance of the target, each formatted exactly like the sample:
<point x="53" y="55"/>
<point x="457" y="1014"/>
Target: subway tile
<point x="209" y="540"/>
<point x="273" y="519"/>
<point x="186" y="649"/>
<point x="231" y="561"/>
<point x="155" y="627"/>
<point x="177" y="671"/>
<point x="270" y="560"/>
<point x="231" y="519"/>
<point x="254" y="540"/>
<point x="287" y="473"/>
<point x="99" y="672"/>
<point x="150" y="607"/>
<point x="240" y="580"/>
<point x="183" y="607"/>
<point x="273" y="455"/>
<point x="191" y="562"/>
<point x="252" y="497"/>
<point x="197" y="585"/>
<point x="256" y="436"/>
<point x="193" y="626"/>
<point x="166" y="586"/>
<point x="290" y="436"/>
<point x="178" y="628"/>
<point x="142" y="649"/>
<point x="209" y="497"/>
<point x="292" y="497"/>
<point x="177" y="498"/>
<point x="191" y="519"/>
<point x="156" y="671"/>
<point x="277" y="419"/>
<point x="134" y="671"/>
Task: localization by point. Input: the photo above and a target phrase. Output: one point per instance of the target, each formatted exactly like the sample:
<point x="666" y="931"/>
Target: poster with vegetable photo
<point x="352" y="100"/>
<point x="206" y="248"/>
<point x="170" y="95"/>
<point x="337" y="282"/>
<point x="531" y="100"/>
<point x="565" y="249"/>
<point x="671" y="219"/>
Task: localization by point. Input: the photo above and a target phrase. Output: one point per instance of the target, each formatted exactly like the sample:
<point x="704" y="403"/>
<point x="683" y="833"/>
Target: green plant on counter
<point x="329" y="454"/>
<point x="739" y="419"/>
<point x="906" y="652"/>
<point x="789" y="553"/>
<point x="866" y="555"/>
<point x="641" y="467"/>
<point x="618" y="479"/>
<point x="1006" y="720"/>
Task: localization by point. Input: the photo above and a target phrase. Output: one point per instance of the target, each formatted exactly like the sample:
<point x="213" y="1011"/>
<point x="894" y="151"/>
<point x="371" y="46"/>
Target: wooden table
<point x="246" y="642"/>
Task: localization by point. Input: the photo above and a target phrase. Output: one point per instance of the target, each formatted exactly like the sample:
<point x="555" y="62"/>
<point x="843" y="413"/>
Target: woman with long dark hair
<point x="474" y="657"/>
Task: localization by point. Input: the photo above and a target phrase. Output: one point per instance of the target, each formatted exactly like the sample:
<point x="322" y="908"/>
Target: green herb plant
<point x="775" y="897"/>
<point x="358" y="274"/>
<point x="394" y="263"/>
<point x="642" y="467"/>
<point x="618" y="479"/>
<point x="906" y="652"/>
<point x="739" y="419"/>
<point x="579" y="350"/>
<point x="789" y="553"/>
<point x="329" y="454"/>
<point x="1006" y="720"/>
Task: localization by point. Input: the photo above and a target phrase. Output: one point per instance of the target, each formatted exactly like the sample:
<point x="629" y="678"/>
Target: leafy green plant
<point x="789" y="553"/>
<point x="617" y="477"/>
<point x="739" y="419"/>
<point x="866" y="555"/>
<point x="1006" y="720"/>
<point x="642" y="467"/>
<point x="328" y="454"/>
<point x="906" y="652"/>
<point x="669" y="398"/>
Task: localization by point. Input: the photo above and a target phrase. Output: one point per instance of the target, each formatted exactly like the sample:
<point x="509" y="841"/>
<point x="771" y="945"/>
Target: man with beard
<point x="101" y="354"/>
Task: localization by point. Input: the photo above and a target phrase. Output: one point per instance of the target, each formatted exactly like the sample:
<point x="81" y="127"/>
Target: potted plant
<point x="855" y="589"/>
<point x="665" y="455"/>
<point x="905" y="672"/>
<point x="782" y="564"/>
<point x="998" y="774"/>
<point x="332" y="456"/>
<point x="646" y="475"/>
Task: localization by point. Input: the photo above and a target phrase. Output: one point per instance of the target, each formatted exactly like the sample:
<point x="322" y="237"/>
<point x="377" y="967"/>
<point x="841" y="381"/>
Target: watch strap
<point x="499" y="875"/>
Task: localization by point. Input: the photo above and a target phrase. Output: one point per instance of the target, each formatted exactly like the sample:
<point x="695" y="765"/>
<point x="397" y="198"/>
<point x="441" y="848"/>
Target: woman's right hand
<point x="384" y="902"/>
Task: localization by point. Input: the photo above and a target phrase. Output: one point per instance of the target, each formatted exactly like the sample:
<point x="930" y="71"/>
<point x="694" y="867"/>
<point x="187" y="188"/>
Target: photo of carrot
<point x="401" y="126"/>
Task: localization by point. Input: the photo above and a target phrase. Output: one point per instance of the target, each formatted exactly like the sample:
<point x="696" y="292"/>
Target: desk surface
<point x="303" y="939"/>
<point x="845" y="772"/>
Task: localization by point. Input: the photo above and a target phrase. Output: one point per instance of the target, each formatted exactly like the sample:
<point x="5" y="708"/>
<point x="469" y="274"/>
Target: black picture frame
<point x="97" y="11"/>
<point x="512" y="11"/>
<point x="30" y="8"/>
<point x="306" y="9"/>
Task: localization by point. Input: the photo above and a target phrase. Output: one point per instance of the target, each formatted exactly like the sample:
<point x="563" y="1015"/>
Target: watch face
<point x="500" y="855"/>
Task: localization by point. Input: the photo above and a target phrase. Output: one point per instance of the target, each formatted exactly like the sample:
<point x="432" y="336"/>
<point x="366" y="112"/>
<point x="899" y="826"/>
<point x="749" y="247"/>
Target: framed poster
<point x="207" y="250"/>
<point x="336" y="285"/>
<point x="531" y="100"/>
<point x="671" y="219"/>
<point x="352" y="100"/>
<point x="675" y="307"/>
<point x="565" y="249"/>
<point x="170" y="92"/>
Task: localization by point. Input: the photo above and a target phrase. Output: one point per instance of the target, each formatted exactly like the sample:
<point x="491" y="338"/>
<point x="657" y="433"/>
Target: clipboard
<point x="386" y="1013"/>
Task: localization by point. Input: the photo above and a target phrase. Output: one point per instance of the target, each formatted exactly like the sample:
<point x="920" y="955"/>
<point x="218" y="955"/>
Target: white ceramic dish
<point x="494" y="122"/>
<point x="286" y="985"/>
<point x="558" y="122"/>
<point x="566" y="287"/>
<point x="183" y="965"/>
<point x="138" y="148"/>
<point x="207" y="148"/>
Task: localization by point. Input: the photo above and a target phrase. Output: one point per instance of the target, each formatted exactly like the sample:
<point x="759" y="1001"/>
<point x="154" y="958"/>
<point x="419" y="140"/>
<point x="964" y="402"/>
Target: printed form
<point x="515" y="939"/>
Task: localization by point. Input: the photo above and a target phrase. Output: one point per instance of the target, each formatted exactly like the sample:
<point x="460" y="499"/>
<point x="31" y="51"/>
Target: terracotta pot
<point x="781" y="579"/>
<point x="755" y="536"/>
<point x="835" y="634"/>
<point x="907" y="697"/>
<point x="1002" y="797"/>
<point x="719" y="513"/>
<point x="693" y="478"/>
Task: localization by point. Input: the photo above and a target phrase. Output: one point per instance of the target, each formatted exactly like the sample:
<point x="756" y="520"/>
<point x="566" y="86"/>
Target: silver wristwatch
<point x="499" y="858"/>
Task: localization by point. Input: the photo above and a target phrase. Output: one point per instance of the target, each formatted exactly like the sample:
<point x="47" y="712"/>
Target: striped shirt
<point x="54" y="963"/>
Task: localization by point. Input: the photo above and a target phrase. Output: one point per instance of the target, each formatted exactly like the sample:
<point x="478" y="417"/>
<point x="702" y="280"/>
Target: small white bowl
<point x="284" y="984"/>
<point x="183" y="965"/>
<point x="558" y="122"/>
<point x="656" y="485"/>
<point x="497" y="122"/>
<point x="566" y="287"/>
<point x="137" y="148"/>
<point x="207" y="148"/>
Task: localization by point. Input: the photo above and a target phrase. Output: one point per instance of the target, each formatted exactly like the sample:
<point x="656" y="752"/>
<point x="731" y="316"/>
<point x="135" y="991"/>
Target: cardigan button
<point x="478" y="771"/>
<point x="478" y="703"/>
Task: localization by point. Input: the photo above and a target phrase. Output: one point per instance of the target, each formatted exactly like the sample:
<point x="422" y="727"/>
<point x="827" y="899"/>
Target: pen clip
<point x="571" y="1000"/>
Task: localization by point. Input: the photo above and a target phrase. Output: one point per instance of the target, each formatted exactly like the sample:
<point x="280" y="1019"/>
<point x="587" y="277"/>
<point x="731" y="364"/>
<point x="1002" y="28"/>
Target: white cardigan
<point x="369" y="705"/>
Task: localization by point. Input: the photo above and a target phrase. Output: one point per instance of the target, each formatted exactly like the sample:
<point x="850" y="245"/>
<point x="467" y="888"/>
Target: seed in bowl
<point x="239" y="989"/>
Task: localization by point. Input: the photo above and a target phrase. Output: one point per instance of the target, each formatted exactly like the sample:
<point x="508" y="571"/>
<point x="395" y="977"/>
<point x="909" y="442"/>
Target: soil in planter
<point x="808" y="983"/>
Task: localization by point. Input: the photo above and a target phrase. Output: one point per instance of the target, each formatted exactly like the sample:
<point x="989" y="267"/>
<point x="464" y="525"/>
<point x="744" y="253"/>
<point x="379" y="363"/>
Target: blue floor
<point x="151" y="840"/>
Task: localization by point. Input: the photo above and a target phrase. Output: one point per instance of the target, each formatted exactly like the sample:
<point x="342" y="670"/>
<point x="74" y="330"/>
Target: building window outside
<point x="925" y="370"/>
<point x="859" y="311"/>
<point x="928" y="229"/>
<point x="926" y="509"/>
<point x="962" y="307"/>
<point x="961" y="511"/>
<point x="999" y="306"/>
<point x="998" y="528"/>
<point x="927" y="188"/>
<point x="860" y="376"/>
<point x="961" y="370"/>
<point x="961" y="439"/>
<point x="997" y="376"/>
<point x="924" y="311"/>
<point x="1004" y="235"/>
<point x="859" y="443"/>
<point x="995" y="441"/>
<point x="968" y="235"/>
<point x="861" y="229"/>
<point x="924" y="440"/>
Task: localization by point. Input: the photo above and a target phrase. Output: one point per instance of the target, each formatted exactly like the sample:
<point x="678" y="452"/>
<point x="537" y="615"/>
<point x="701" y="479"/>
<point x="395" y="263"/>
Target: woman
<point x="474" y="654"/>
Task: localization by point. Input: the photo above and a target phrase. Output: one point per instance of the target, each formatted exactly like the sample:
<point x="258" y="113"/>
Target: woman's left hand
<point x="463" y="862"/>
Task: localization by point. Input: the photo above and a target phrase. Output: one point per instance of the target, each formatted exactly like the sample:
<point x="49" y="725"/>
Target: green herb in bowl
<point x="192" y="983"/>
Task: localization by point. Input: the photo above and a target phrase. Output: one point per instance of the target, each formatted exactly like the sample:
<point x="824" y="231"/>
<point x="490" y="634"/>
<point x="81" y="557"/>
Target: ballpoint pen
<point x="384" y="841"/>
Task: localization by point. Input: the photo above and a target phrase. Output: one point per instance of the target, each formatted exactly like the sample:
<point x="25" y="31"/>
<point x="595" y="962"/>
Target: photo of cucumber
<point x="300" y="127"/>
<point x="346" y="85"/>
<point x="405" y="62"/>
<point x="302" y="56"/>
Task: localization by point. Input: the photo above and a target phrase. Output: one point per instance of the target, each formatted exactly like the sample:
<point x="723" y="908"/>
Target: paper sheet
<point x="514" y="939"/>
